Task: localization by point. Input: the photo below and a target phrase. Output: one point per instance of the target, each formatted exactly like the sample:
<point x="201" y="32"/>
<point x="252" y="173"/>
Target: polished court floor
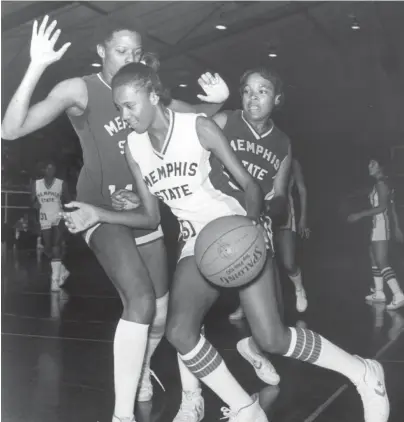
<point x="57" y="348"/>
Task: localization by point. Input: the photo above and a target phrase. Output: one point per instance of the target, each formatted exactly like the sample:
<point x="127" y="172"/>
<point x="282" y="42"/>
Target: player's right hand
<point x="124" y="199"/>
<point x="43" y="42"/>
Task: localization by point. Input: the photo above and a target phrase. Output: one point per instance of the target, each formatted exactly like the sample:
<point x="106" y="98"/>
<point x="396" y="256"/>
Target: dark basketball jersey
<point x="102" y="135"/>
<point x="262" y="155"/>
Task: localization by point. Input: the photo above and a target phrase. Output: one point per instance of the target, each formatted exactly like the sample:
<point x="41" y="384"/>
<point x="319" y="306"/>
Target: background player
<point x="381" y="202"/>
<point x="47" y="196"/>
<point x="87" y="101"/>
<point x="137" y="84"/>
<point x="285" y="235"/>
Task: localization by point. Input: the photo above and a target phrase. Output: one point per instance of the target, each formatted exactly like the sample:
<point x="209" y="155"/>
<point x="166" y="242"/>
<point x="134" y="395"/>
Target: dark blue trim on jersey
<point x="168" y="136"/>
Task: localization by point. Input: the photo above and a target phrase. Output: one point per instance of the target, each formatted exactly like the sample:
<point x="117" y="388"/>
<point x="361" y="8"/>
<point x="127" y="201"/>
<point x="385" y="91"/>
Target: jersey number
<point x="42" y="216"/>
<point x="186" y="230"/>
<point x="112" y="188"/>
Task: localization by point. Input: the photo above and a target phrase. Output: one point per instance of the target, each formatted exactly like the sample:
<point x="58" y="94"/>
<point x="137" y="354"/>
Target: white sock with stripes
<point x="205" y="363"/>
<point x="308" y="346"/>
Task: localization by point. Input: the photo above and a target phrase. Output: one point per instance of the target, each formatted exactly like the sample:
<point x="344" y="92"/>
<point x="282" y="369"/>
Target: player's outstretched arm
<point x="20" y="119"/>
<point x="216" y="93"/>
<point x="214" y="140"/>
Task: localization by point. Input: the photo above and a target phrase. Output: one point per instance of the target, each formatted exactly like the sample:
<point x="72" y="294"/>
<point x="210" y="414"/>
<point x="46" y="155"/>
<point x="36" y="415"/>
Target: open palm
<point x="43" y="43"/>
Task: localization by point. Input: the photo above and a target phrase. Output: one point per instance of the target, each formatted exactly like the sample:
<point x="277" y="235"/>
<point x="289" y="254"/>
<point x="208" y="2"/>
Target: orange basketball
<point x="230" y="251"/>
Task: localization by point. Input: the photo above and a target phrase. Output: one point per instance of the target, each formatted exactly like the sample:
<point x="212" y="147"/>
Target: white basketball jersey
<point x="382" y="219"/>
<point x="49" y="197"/>
<point x="183" y="175"/>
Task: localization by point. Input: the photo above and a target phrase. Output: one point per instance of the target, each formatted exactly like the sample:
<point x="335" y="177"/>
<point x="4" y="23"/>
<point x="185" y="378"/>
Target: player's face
<point x="258" y="98"/>
<point x="136" y="105"/>
<point x="50" y="171"/>
<point x="124" y="47"/>
<point x="374" y="167"/>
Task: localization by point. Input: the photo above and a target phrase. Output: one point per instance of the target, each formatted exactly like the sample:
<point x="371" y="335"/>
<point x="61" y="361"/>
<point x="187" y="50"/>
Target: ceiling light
<point x="183" y="85"/>
<point x="272" y="54"/>
<point x="95" y="64"/>
<point x="221" y="27"/>
<point x="355" y="24"/>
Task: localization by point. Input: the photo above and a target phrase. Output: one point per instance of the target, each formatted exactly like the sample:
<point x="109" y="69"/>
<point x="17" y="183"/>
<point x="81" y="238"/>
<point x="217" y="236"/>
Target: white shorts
<point x="47" y="221"/>
<point x="151" y="237"/>
<point x="381" y="230"/>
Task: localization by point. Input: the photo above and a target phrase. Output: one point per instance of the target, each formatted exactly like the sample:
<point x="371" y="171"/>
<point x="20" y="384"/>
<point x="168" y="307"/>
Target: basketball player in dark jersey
<point x="384" y="224"/>
<point x="141" y="284"/>
<point x="191" y="295"/>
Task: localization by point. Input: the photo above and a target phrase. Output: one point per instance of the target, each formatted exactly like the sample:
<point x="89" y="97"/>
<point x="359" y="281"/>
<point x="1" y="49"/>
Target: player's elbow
<point x="154" y="218"/>
<point x="8" y="133"/>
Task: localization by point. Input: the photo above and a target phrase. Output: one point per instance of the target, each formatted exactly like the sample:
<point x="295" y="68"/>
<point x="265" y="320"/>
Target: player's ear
<point x="154" y="98"/>
<point x="278" y="99"/>
<point x="101" y="51"/>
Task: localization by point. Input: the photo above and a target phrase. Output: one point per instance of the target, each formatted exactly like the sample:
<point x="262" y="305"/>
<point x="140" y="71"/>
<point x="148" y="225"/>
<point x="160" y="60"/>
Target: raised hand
<point x="215" y="88"/>
<point x="43" y="42"/>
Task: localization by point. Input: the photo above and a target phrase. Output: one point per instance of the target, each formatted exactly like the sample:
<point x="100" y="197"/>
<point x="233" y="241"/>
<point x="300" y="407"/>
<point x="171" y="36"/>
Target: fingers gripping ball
<point x="230" y="251"/>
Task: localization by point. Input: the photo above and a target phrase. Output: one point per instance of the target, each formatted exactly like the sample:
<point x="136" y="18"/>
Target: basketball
<point x="230" y="251"/>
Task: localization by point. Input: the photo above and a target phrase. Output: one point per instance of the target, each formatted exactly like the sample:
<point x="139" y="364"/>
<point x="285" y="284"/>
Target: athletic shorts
<point x="189" y="232"/>
<point x="140" y="240"/>
<point x="47" y="221"/>
<point x="380" y="230"/>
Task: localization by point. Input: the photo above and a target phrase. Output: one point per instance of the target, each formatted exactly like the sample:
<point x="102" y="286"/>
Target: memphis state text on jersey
<point x="262" y="155"/>
<point x="172" y="169"/>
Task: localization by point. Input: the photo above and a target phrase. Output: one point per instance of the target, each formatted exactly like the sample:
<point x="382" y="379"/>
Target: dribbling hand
<point x="215" y="88"/>
<point x="80" y="219"/>
<point x="353" y="218"/>
<point x="303" y="230"/>
<point x="43" y="42"/>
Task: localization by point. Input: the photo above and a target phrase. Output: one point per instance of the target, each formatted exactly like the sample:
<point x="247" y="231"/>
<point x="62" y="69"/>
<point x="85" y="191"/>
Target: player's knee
<point x="139" y="307"/>
<point x="181" y="335"/>
<point x="56" y="252"/>
<point x="274" y="342"/>
<point x="290" y="266"/>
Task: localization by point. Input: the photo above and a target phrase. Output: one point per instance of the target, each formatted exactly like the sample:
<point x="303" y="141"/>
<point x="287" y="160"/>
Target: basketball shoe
<point x="192" y="407"/>
<point x="116" y="419"/>
<point x="145" y="389"/>
<point x="262" y="366"/>
<point x="250" y="413"/>
<point x="376" y="296"/>
<point x="397" y="302"/>
<point x="372" y="390"/>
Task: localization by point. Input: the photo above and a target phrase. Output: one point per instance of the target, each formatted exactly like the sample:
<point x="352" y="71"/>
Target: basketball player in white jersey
<point x="126" y="254"/>
<point x="381" y="204"/>
<point x="185" y="176"/>
<point x="285" y="235"/>
<point x="47" y="196"/>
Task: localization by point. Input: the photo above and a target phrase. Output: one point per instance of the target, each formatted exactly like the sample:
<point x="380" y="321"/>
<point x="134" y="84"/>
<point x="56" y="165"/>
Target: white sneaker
<point x="237" y="314"/>
<point x="192" y="407"/>
<point x="251" y="413"/>
<point x="376" y="297"/>
<point x="129" y="419"/>
<point x="301" y="300"/>
<point x="55" y="285"/>
<point x="262" y="366"/>
<point x="145" y="389"/>
<point x="396" y="303"/>
<point x="372" y="390"/>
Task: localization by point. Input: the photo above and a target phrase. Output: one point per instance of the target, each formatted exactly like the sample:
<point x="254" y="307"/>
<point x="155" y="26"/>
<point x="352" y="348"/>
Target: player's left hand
<point x="353" y="218"/>
<point x="399" y="236"/>
<point x="82" y="218"/>
<point x="215" y="88"/>
<point x="303" y="230"/>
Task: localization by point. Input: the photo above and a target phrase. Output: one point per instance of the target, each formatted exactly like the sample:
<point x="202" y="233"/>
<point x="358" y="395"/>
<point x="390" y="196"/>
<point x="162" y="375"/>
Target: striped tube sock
<point x="310" y="347"/>
<point x="378" y="278"/>
<point x="205" y="363"/>
<point x="389" y="276"/>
